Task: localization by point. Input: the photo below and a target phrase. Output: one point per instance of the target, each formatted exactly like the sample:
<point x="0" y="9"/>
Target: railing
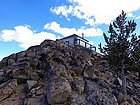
<point x="86" y="44"/>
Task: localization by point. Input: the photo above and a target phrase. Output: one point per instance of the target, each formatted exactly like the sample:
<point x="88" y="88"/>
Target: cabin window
<point x="76" y="41"/>
<point x="67" y="42"/>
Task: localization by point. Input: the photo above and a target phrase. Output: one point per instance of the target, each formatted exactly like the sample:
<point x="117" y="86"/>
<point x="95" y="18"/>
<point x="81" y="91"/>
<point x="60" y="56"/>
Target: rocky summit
<point x="54" y="73"/>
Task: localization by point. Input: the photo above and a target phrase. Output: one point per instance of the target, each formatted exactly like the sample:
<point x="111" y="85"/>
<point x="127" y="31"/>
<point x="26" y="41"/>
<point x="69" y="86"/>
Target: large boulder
<point x="79" y="85"/>
<point x="59" y="90"/>
<point x="78" y="99"/>
<point x="98" y="94"/>
<point x="7" y="89"/>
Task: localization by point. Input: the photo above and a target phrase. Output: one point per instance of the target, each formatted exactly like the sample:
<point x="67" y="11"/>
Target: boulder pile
<point x="54" y="73"/>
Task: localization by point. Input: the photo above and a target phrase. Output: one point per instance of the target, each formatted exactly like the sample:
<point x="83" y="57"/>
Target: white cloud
<point x="90" y="21"/>
<point x="89" y="32"/>
<point x="101" y="11"/>
<point x="57" y="28"/>
<point x="64" y="10"/>
<point x="130" y="14"/>
<point x="25" y="36"/>
<point x="138" y="17"/>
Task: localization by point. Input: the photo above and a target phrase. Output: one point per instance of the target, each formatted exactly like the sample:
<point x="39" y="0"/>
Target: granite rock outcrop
<point x="54" y="73"/>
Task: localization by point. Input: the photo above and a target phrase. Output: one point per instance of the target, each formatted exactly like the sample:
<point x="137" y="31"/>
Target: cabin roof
<point x="74" y="35"/>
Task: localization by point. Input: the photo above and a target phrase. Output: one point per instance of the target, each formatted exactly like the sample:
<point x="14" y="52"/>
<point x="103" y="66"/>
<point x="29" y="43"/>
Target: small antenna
<point x="83" y="35"/>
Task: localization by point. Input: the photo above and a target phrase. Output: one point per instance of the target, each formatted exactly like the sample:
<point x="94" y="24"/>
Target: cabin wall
<point x="70" y="40"/>
<point x="87" y="46"/>
<point x="83" y="42"/>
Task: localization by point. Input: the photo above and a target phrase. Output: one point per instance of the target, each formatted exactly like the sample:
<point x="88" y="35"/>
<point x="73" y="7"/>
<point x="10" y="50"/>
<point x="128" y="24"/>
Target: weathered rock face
<point x="7" y="89"/>
<point x="59" y="90"/>
<point x="54" y="73"/>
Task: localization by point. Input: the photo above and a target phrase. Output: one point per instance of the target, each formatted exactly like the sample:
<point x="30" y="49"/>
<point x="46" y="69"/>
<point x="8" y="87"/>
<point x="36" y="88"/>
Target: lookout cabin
<point x="78" y="41"/>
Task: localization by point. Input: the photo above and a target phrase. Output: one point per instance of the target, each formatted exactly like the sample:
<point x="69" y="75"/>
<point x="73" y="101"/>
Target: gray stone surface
<point x="54" y="73"/>
<point x="59" y="90"/>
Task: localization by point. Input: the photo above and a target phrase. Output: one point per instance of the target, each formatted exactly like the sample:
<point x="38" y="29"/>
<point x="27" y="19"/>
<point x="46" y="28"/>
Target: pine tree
<point x="119" y="46"/>
<point x="135" y="54"/>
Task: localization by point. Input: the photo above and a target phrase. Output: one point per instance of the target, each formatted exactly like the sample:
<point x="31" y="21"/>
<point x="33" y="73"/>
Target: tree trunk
<point x="123" y="80"/>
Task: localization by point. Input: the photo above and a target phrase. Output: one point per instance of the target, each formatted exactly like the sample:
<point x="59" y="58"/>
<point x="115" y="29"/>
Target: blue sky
<point x="24" y="23"/>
